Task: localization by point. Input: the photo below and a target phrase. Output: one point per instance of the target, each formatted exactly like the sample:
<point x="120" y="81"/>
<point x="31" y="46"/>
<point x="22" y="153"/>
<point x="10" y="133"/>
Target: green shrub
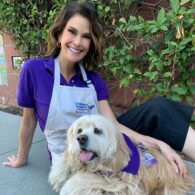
<point x="28" y="22"/>
<point x="156" y="56"/>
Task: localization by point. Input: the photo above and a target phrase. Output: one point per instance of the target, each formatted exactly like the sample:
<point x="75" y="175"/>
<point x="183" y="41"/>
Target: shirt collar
<point x="49" y="66"/>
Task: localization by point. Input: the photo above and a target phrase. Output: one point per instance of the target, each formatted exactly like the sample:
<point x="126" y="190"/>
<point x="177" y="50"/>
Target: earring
<point x="58" y="44"/>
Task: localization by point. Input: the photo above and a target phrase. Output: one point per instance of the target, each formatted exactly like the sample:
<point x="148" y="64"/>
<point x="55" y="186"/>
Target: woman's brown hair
<point x="87" y="10"/>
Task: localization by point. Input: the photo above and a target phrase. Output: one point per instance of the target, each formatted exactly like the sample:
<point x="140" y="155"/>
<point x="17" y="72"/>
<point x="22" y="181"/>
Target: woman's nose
<point x="77" y="40"/>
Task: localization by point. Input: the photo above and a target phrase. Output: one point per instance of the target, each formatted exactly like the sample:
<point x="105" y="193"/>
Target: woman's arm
<point x="26" y="132"/>
<point x="173" y="158"/>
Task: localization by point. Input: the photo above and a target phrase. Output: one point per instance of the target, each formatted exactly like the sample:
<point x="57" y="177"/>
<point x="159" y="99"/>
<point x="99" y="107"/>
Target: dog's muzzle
<point x="85" y="154"/>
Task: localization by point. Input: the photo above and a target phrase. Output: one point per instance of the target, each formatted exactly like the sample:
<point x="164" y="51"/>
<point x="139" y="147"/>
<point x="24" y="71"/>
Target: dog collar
<point x="134" y="163"/>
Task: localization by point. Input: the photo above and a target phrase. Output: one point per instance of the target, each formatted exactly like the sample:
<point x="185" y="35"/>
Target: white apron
<point x="67" y="104"/>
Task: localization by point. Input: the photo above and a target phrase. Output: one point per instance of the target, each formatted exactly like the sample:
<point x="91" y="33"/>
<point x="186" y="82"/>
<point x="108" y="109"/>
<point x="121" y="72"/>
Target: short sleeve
<point x="25" y="95"/>
<point x="100" y="87"/>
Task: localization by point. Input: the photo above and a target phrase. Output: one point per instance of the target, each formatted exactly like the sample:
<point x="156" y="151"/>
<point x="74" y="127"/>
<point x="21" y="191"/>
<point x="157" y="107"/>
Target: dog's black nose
<point x="82" y="139"/>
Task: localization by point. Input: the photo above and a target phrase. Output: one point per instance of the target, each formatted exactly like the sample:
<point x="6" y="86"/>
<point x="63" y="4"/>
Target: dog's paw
<point x="58" y="175"/>
<point x="56" y="186"/>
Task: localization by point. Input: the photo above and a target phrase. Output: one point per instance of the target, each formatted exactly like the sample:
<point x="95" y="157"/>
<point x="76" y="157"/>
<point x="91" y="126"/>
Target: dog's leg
<point x="169" y="191"/>
<point x="58" y="175"/>
<point x="88" y="183"/>
<point x="82" y="183"/>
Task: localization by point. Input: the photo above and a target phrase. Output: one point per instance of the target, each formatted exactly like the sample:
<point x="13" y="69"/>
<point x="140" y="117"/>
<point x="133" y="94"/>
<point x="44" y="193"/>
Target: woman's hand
<point x="26" y="132"/>
<point x="14" y="161"/>
<point x="173" y="158"/>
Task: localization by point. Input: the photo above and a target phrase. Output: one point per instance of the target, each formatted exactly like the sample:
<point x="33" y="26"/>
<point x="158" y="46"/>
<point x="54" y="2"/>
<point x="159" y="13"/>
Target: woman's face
<point x="75" y="39"/>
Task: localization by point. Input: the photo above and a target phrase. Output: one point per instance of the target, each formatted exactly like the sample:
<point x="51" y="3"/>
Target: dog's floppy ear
<point x="72" y="152"/>
<point x="72" y="144"/>
<point x="121" y="156"/>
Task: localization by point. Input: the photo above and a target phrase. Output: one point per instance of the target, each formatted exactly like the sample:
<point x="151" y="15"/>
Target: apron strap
<point x="56" y="72"/>
<point x="89" y="83"/>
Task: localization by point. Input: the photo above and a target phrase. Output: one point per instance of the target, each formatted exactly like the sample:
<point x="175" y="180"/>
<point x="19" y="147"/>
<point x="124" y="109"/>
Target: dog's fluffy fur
<point x="93" y="161"/>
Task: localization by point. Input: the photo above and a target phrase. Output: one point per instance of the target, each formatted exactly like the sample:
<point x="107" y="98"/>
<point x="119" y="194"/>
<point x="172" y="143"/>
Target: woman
<point x="56" y="90"/>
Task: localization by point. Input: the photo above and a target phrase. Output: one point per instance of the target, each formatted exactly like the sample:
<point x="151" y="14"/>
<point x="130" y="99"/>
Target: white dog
<point x="94" y="158"/>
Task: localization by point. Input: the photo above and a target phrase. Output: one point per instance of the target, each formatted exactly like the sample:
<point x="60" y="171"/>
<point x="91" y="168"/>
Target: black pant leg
<point x="162" y="119"/>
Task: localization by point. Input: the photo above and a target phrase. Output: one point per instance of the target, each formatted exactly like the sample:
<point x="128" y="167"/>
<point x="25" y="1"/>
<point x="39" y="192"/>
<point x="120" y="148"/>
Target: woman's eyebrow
<point x="87" y="34"/>
<point x="75" y="29"/>
<point x="72" y="28"/>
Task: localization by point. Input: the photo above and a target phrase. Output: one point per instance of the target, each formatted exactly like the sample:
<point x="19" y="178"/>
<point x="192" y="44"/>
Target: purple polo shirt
<point x="35" y="91"/>
<point x="36" y="85"/>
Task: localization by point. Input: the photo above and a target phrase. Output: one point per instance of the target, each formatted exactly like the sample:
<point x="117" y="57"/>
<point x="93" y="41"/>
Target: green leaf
<point x="107" y="9"/>
<point x="173" y="43"/>
<point x="175" y="98"/>
<point x="191" y="11"/>
<point x="159" y="65"/>
<point x="164" y="28"/>
<point x="193" y="118"/>
<point x="150" y="52"/>
<point x="184" y="2"/>
<point x="192" y="89"/>
<point x="189" y="99"/>
<point x="193" y="72"/>
<point x="174" y="5"/>
<point x="185" y="41"/>
<point x="126" y="69"/>
<point x="124" y="82"/>
<point x="179" y="90"/>
<point x="136" y="71"/>
<point x="160" y="87"/>
<point x="167" y="74"/>
<point x="153" y="28"/>
<point x="161" y="17"/>
<point x="121" y="61"/>
<point x="151" y="75"/>
<point x="123" y="20"/>
<point x="185" y="75"/>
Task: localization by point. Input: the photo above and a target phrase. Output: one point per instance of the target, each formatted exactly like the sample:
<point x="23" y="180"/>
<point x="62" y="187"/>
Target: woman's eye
<point x="87" y="37"/>
<point x="71" y="31"/>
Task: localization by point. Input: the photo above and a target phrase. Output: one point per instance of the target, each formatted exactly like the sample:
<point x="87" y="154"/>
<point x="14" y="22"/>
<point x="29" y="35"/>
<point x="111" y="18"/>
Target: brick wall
<point x="8" y="93"/>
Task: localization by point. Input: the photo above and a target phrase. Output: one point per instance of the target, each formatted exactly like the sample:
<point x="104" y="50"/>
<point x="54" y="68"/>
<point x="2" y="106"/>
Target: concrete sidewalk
<point x="30" y="179"/>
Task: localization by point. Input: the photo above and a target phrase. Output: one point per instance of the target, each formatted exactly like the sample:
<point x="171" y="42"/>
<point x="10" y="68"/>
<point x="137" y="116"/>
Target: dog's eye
<point x="97" y="131"/>
<point x="80" y="131"/>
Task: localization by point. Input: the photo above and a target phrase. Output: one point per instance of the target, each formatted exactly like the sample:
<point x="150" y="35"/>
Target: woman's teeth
<point x="74" y="50"/>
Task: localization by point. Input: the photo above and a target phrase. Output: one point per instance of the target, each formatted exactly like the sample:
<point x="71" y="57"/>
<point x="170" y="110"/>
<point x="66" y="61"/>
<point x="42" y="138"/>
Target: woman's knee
<point x="189" y="145"/>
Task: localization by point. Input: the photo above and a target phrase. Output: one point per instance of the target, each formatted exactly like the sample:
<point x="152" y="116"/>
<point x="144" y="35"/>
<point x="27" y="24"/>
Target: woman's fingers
<point x="175" y="160"/>
<point x="12" y="161"/>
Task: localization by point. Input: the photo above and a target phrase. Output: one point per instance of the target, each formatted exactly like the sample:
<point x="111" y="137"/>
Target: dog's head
<point x="95" y="142"/>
